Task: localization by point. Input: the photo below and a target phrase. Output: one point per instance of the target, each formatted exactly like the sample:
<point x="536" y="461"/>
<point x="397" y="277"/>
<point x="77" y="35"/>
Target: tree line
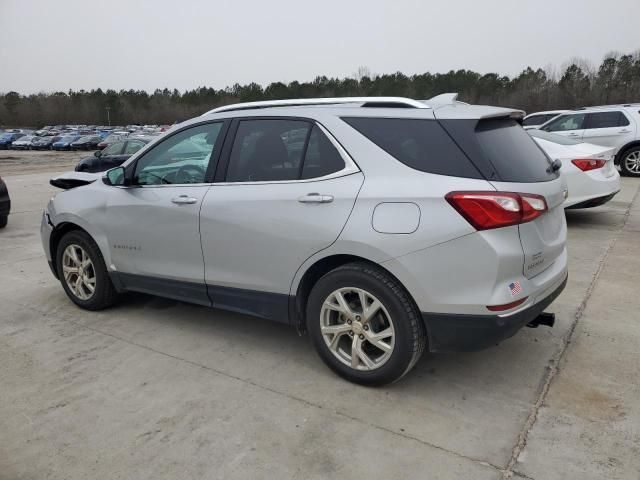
<point x="578" y="83"/>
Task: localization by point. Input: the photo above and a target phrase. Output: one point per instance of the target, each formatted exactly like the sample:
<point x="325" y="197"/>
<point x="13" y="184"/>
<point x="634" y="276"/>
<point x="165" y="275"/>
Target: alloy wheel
<point x="357" y="328"/>
<point x="632" y="162"/>
<point x="78" y="271"/>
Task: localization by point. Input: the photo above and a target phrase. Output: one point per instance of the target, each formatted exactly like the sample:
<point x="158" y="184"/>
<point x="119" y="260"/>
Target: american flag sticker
<point x="515" y="288"/>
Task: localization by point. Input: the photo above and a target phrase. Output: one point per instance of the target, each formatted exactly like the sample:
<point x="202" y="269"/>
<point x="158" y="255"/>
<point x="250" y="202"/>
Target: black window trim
<point x="350" y="165"/>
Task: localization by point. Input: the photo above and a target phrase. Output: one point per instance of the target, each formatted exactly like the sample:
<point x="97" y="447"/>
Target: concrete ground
<point x="159" y="389"/>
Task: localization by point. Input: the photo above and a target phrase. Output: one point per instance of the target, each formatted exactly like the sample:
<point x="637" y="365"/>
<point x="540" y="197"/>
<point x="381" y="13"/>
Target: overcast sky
<point x="48" y="45"/>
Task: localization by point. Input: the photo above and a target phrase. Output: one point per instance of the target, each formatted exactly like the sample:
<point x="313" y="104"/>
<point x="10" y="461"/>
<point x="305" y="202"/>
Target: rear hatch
<point x="512" y="162"/>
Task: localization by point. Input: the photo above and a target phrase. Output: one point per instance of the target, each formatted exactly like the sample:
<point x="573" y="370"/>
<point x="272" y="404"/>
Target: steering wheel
<point x="190" y="174"/>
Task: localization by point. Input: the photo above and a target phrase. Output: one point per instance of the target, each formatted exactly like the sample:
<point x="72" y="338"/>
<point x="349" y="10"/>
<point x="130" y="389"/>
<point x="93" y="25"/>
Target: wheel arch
<point x="59" y="231"/>
<point x="317" y="270"/>
<point x="624" y="149"/>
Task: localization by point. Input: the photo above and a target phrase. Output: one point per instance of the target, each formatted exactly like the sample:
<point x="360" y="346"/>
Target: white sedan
<point x="592" y="178"/>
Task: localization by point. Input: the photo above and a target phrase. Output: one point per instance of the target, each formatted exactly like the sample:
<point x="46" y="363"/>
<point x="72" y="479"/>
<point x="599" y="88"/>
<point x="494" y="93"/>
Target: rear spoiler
<point x="70" y="180"/>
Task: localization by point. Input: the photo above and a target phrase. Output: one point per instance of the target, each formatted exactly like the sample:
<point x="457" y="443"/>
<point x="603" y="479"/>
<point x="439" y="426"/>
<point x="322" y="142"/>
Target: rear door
<point x="568" y="125"/>
<point x="283" y="191"/>
<point x="610" y="129"/>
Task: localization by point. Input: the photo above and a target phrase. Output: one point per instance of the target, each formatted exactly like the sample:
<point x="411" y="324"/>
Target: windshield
<point x="552" y="137"/>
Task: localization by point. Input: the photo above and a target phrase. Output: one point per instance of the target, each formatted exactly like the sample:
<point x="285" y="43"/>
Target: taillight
<point x="486" y="210"/>
<point x="586" y="164"/>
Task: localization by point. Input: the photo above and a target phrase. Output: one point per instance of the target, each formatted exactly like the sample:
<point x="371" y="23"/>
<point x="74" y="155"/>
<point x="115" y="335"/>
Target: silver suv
<point x="382" y="226"/>
<point x="615" y="126"/>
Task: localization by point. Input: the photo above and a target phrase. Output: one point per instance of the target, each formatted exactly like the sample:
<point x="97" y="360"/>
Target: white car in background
<point x="534" y="120"/>
<point x="616" y="126"/>
<point x="590" y="172"/>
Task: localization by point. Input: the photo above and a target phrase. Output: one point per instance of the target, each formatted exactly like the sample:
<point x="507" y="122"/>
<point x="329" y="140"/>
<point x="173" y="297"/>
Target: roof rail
<point x="383" y="102"/>
<point x="613" y="105"/>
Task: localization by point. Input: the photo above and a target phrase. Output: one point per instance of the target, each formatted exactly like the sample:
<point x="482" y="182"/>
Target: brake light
<point x="586" y="164"/>
<point x="487" y="210"/>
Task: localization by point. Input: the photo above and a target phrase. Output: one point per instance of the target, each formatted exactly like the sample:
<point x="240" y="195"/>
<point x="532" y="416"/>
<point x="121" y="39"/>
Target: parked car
<point x="112" y="138"/>
<point x="388" y="224"/>
<point x="44" y="143"/>
<point x="65" y="141"/>
<point x="5" y="204"/>
<point x="88" y="142"/>
<point x="23" y="143"/>
<point x="112" y="156"/>
<point x="590" y="172"/>
<point x="7" y="139"/>
<point x="616" y="126"/>
<point x="534" y="120"/>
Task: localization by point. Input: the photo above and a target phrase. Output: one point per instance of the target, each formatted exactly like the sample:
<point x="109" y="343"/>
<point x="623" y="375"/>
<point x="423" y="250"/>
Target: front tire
<point x="3" y="221"/>
<point x="630" y="162"/>
<point x="82" y="272"/>
<point x="364" y="325"/>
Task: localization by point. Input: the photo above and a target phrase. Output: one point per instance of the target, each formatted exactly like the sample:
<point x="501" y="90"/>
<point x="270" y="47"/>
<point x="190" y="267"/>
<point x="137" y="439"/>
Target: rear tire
<point x="82" y="272"/>
<point x="630" y="162"/>
<point x="388" y="336"/>
<point x="3" y="221"/>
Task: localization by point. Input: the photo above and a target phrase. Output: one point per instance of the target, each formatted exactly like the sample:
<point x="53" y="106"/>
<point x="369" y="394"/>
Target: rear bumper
<point x="593" y="202"/>
<point x="466" y="333"/>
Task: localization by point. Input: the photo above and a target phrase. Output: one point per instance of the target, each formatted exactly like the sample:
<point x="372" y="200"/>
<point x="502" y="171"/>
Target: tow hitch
<point x="546" y="319"/>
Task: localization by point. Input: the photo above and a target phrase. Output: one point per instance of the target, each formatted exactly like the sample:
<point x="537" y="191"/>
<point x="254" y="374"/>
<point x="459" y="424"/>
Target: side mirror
<point x="97" y="153"/>
<point x="116" y="177"/>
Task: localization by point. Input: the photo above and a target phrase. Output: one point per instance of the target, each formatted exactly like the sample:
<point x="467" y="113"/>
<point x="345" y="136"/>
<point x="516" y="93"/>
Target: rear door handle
<point x="184" y="200"/>
<point x="624" y="131"/>
<point x="315" y="198"/>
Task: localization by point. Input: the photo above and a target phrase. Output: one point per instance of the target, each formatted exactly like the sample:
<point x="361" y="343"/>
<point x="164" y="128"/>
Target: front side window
<point x="113" y="149"/>
<point x="566" y="122"/>
<point x="606" y="120"/>
<point x="132" y="147"/>
<point x="182" y="158"/>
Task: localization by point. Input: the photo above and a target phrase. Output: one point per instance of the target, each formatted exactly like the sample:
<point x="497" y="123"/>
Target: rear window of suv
<point x="420" y="144"/>
<point x="501" y="149"/>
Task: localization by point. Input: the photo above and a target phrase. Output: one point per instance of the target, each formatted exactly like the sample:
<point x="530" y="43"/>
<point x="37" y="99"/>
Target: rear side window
<point x="279" y="150"/>
<point x="420" y="144"/>
<point x="321" y="158"/>
<point x="267" y="150"/>
<point x="606" y="120"/>
<point x="537" y="119"/>
<point x="502" y="150"/>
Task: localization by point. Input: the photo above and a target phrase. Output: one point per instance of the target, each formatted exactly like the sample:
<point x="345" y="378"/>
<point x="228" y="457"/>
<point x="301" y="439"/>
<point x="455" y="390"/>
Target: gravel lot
<point x="159" y="389"/>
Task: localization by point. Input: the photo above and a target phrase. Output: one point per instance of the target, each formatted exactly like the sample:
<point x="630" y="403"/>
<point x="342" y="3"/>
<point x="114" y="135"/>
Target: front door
<point x="154" y="231"/>
<point x="568" y="125"/>
<point x="286" y="194"/>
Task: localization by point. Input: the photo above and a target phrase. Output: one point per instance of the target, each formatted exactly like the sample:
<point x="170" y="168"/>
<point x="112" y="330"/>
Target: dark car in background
<point x="88" y="142"/>
<point x="6" y="139"/>
<point x="112" y="138"/>
<point x="65" y="142"/>
<point x="44" y="143"/>
<point x="112" y="156"/>
<point x="5" y="204"/>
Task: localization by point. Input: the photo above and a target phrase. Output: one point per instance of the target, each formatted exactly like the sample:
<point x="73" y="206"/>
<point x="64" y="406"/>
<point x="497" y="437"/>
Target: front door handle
<point x="624" y="131"/>
<point x="315" y="198"/>
<point x="184" y="200"/>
